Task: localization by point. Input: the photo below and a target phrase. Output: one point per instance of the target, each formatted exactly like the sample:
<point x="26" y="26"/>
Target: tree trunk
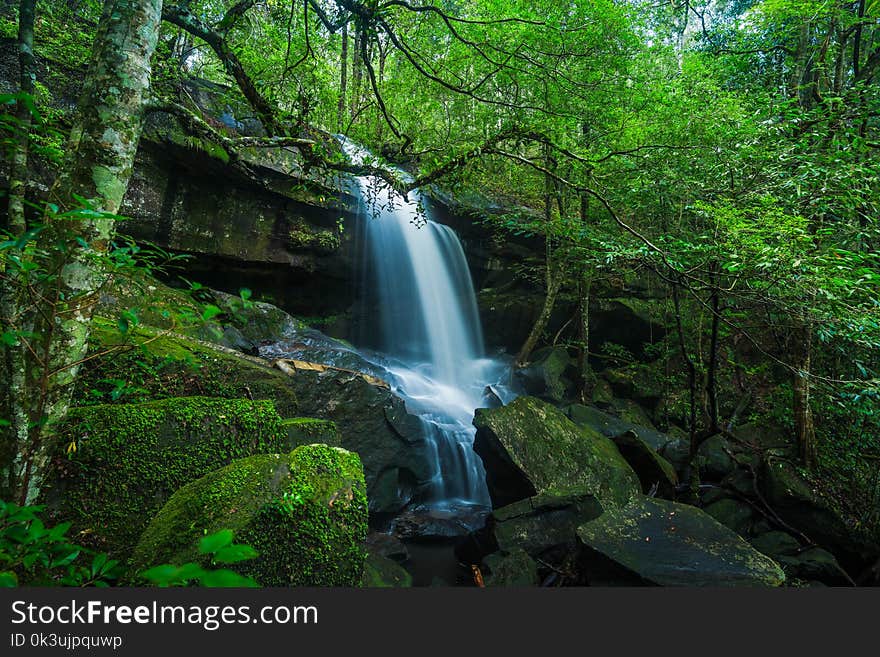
<point x="552" y="279"/>
<point x="586" y="372"/>
<point x="357" y="74"/>
<point x="99" y="158"/>
<point x="554" y="283"/>
<point x="14" y="364"/>
<point x="343" y="81"/>
<point x="712" y="369"/>
<point x="804" y="429"/>
<point x="691" y="372"/>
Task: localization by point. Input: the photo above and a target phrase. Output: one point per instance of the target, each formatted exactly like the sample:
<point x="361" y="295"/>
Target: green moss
<point x="302" y="236"/>
<point x="157" y="365"/>
<point x="558" y="457"/>
<point x="130" y="458"/>
<point x="305" y="430"/>
<point x="305" y="513"/>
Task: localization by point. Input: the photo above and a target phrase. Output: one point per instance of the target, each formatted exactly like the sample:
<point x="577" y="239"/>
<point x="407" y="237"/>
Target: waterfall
<point x="428" y="327"/>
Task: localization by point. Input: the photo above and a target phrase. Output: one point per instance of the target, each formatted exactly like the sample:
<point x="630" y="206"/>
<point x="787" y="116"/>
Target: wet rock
<point x="448" y="522"/>
<point x="373" y="422"/>
<point x="514" y="568"/>
<point x="674" y="544"/>
<point x="714" y="458"/>
<point x="530" y="447"/>
<point x="543" y="523"/>
<point x="382" y="572"/>
<point x="611" y="425"/>
<point x="654" y="472"/>
<point x="387" y="545"/>
<point x="803" y="507"/>
<point x="491" y="399"/>
<point x="733" y="514"/>
<point x="549" y="374"/>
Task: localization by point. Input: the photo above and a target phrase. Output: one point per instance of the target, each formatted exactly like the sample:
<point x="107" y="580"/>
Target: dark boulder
<point x="514" y="568"/>
<point x="530" y="447"/>
<point x="733" y="514"/>
<point x="654" y="472"/>
<point x="549" y="375"/>
<point x="674" y="544"/>
<point x="804" y="507"/>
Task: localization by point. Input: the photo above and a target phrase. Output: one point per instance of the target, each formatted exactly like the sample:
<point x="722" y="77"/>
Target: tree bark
<point x="99" y="158"/>
<point x="712" y="368"/>
<point x="185" y="19"/>
<point x="552" y="279"/>
<point x="804" y="429"/>
<point x="343" y="80"/>
<point x="586" y="372"/>
<point x="14" y="363"/>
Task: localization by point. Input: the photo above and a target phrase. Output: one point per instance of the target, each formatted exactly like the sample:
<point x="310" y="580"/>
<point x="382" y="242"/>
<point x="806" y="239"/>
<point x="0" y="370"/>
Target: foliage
<point x="219" y="549"/>
<point x="35" y="555"/>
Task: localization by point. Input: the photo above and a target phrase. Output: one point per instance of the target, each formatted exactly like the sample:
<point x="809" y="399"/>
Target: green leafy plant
<point x="33" y="554"/>
<point x="219" y="549"/>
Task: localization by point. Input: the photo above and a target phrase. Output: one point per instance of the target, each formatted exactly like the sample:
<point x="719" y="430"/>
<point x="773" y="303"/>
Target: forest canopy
<point x="725" y="150"/>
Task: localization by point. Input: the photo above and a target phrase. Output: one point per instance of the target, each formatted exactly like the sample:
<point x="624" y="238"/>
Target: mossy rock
<point x="382" y="572"/>
<point x="733" y="514"/>
<point x="160" y="364"/>
<point x="801" y="504"/>
<point x="307" y="430"/>
<point x="543" y="523"/>
<point x="304" y="512"/>
<point x="370" y="419"/>
<point x="511" y="569"/>
<point x="672" y="544"/>
<point x="531" y="447"/>
<point x="715" y="458"/>
<point x="115" y="465"/>
<point x="652" y="469"/>
<point x="548" y="374"/>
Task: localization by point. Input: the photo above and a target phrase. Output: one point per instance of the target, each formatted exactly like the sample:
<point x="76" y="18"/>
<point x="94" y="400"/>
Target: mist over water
<point x="426" y="326"/>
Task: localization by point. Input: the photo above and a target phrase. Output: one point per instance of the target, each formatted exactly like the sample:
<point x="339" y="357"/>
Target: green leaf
<point x="214" y="542"/>
<point x="225" y="578"/>
<point x="210" y="312"/>
<point x="8" y="579"/>
<point x="235" y="553"/>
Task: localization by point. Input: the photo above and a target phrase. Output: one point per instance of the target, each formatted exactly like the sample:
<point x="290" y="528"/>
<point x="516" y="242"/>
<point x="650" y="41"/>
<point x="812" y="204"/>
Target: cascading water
<point x="429" y="331"/>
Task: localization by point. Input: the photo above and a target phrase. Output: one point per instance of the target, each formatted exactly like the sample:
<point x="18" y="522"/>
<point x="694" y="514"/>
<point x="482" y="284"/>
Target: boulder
<point x="803" y="506"/>
<point x="382" y="572"/>
<point x="638" y="383"/>
<point x="733" y="514"/>
<point x="543" y="523"/>
<point x="672" y="544"/>
<point x="514" y="568"/>
<point x="373" y="422"/>
<point x="611" y="426"/>
<point x="715" y="458"/>
<point x="776" y="544"/>
<point x="628" y="321"/>
<point x="548" y="374"/>
<point x="815" y="564"/>
<point x="654" y="472"/>
<point x="530" y="447"/>
<point x="387" y="545"/>
<point x="305" y="513"/>
<point x="130" y="458"/>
